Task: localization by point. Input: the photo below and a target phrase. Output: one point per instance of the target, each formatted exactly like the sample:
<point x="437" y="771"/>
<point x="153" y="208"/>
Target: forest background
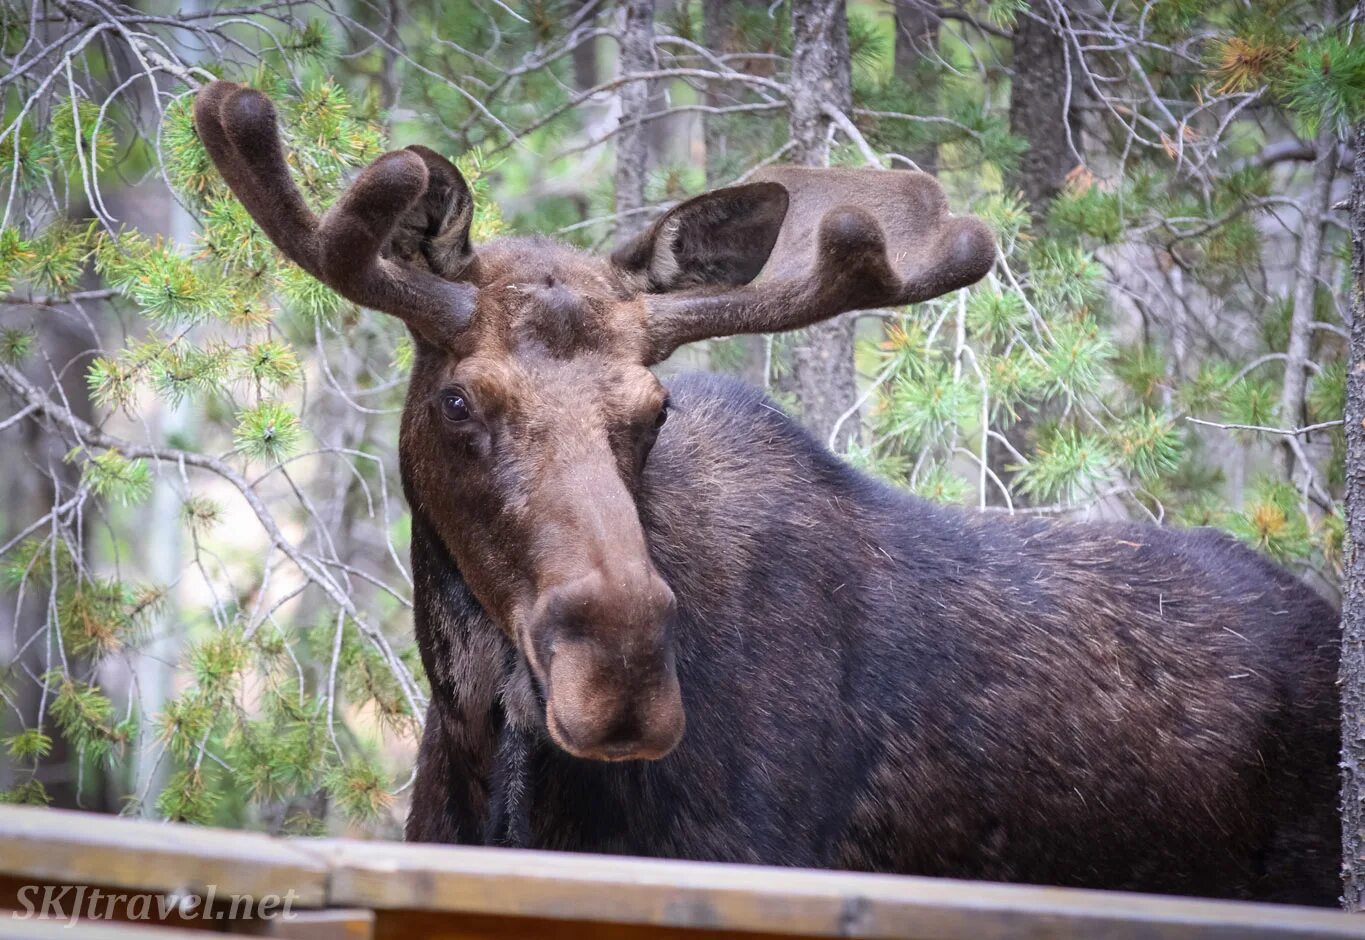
<point x="204" y="589"/>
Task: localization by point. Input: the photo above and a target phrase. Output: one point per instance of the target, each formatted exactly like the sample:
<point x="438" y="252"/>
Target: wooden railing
<point x="344" y="888"/>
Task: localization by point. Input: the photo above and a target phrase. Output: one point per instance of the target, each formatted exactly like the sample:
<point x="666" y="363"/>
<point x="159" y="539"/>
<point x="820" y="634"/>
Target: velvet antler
<point x="345" y="249"/>
<point x="849" y="240"/>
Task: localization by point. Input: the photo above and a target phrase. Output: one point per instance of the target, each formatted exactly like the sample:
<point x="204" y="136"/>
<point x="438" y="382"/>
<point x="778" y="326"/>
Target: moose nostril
<point x="665" y="603"/>
<point x="623" y="736"/>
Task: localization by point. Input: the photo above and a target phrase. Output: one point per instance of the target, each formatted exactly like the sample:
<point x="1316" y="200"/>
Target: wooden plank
<point x="48" y="845"/>
<point x="20" y="902"/>
<point x="497" y="893"/>
<point x="341" y="923"/>
<point x="432" y="925"/>
<point x="12" y="928"/>
<point x="649" y="892"/>
<point x="19" y="895"/>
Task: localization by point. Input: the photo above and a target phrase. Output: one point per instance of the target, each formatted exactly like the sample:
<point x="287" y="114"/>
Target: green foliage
<point x="307" y="296"/>
<point x="1251" y="402"/>
<point x="81" y="137"/>
<point x="201" y="513"/>
<point x="84" y="715"/>
<point x="313" y="42"/>
<point x="929" y="403"/>
<point x="56" y="258"/>
<point x="269" y="431"/>
<point x="996" y="316"/>
<point x="167" y="287"/>
<point x="1089" y="211"/>
<point x="15" y="256"/>
<point x="1327" y="392"/>
<point x="1273" y="523"/>
<point x="101" y="616"/>
<point x="14" y="345"/>
<point x="279" y="755"/>
<point x="28" y="745"/>
<point x="117" y="478"/>
<point x="271" y="363"/>
<point x="1143" y="370"/>
<point x="112" y="383"/>
<point x="1148" y="445"/>
<point x="1325" y="81"/>
<point x="216" y="666"/>
<point x="185" y="161"/>
<point x="358" y="788"/>
<point x="28" y="793"/>
<point x="941" y="485"/>
<point x="28" y="159"/>
<point x="227" y="328"/>
<point x="1076" y="356"/>
<point x="1005" y="13"/>
<point x="188" y="797"/>
<point x="1068" y="466"/>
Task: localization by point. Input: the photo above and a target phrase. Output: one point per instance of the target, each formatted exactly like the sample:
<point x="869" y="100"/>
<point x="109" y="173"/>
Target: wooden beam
<point x="342" y="923"/>
<point x="430" y="925"/>
<point x="467" y="893"/>
<point x="48" y="845"/>
<point x="36" y="929"/>
<point x="793" y="902"/>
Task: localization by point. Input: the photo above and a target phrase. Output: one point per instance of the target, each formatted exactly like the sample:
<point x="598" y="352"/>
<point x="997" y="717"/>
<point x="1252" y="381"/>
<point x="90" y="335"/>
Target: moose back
<point x="663" y="620"/>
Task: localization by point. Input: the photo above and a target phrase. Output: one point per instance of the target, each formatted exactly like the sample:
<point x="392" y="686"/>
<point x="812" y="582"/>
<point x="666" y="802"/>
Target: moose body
<point x="703" y="636"/>
<point x="875" y="682"/>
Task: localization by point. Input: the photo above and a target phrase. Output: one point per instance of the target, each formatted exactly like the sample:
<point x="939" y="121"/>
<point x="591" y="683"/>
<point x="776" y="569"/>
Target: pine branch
<point x="60" y="420"/>
<point x="1262" y="429"/>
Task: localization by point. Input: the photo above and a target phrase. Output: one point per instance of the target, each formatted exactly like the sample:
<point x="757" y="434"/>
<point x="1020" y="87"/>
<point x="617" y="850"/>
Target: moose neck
<point x="726" y="467"/>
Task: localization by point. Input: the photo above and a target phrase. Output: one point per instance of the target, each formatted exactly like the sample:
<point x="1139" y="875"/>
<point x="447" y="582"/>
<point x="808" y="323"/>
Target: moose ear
<point x="434" y="233"/>
<point x="719" y="239"/>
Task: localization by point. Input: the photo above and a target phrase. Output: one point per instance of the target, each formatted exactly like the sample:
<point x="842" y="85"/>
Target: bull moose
<point x="662" y="620"/>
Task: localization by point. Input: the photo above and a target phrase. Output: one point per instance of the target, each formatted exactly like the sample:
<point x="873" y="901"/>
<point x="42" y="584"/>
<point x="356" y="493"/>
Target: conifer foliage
<point x="205" y="594"/>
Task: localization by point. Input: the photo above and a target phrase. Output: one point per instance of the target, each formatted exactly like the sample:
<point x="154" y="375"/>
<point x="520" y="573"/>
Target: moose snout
<point x="604" y="652"/>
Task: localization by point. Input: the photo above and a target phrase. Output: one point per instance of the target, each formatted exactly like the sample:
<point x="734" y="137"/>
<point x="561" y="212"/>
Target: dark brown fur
<point x="876" y="683"/>
<point x="865" y="680"/>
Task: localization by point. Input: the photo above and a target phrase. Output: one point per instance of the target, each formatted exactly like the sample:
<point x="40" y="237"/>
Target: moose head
<point x="531" y="409"/>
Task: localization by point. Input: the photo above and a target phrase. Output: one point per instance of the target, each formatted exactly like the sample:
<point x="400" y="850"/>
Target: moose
<point x="663" y="620"/>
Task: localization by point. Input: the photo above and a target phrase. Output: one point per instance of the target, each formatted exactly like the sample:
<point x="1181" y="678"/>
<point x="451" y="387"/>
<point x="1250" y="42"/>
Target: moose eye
<point x="454" y="407"/>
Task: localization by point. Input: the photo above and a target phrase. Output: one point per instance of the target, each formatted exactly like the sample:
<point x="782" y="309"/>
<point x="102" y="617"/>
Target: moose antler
<point x="344" y="250"/>
<point x="851" y="240"/>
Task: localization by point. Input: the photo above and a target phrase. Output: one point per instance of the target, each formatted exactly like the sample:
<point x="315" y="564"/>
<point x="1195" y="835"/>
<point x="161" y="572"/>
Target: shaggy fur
<point x="767" y="656"/>
<point x="877" y="683"/>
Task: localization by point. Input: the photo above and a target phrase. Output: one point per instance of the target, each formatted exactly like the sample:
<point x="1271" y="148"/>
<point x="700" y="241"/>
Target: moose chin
<point x="662" y="620"/>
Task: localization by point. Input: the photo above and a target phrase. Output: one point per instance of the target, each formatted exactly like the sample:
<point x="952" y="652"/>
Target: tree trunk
<point x="632" y="143"/>
<point x="585" y="61"/>
<point x="668" y="135"/>
<point x="1353" y="605"/>
<point x="1038" y="110"/>
<point x="1297" y="352"/>
<point x="822" y="357"/>
<point x="1039" y="113"/>
<point x="916" y="39"/>
<point x="717" y="31"/>
<point x="720" y="34"/>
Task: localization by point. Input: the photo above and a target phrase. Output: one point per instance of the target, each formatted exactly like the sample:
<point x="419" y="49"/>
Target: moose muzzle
<point x="603" y="651"/>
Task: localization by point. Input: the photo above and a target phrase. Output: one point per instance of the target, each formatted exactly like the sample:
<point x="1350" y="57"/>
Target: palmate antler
<point x="850" y="240"/>
<point x="344" y="249"/>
